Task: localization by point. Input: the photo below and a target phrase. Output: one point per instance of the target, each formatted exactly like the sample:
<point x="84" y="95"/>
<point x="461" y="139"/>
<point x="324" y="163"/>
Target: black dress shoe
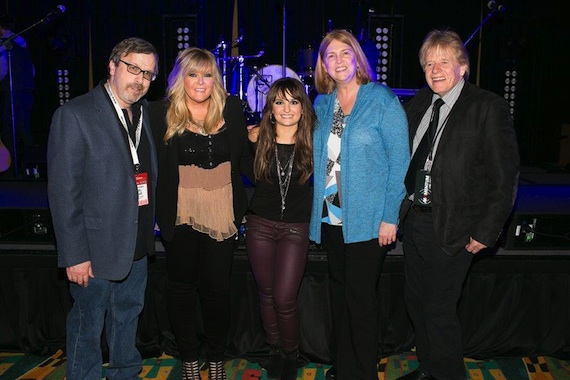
<point x="415" y="375"/>
<point x="331" y="373"/>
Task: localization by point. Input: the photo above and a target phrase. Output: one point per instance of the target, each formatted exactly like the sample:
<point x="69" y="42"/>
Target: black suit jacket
<point x="475" y="169"/>
<point x="91" y="187"/>
<point x="167" y="186"/>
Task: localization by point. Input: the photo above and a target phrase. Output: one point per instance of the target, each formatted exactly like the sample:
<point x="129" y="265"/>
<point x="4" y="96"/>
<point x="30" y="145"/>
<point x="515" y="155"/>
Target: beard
<point x="132" y="93"/>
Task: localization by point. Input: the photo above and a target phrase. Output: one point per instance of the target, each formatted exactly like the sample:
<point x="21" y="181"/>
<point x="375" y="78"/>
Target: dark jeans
<point x="277" y="253"/>
<point x="199" y="267"/>
<point x="354" y="272"/>
<point x="434" y="281"/>
<point x="117" y="305"/>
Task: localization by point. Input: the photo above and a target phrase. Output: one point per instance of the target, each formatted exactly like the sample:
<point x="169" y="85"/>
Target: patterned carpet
<point x="29" y="367"/>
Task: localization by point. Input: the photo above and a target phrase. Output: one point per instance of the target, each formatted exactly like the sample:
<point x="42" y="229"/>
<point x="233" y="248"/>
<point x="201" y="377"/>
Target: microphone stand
<point x="7" y="43"/>
<point x="222" y="61"/>
<point x="480" y="26"/>
<point x="478" y="29"/>
<point x="240" y="60"/>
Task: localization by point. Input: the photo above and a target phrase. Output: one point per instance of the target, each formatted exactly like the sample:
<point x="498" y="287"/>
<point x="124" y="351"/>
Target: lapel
<point x="325" y="125"/>
<point x="109" y="121"/>
<point x="234" y="137"/>
<point x="456" y="122"/>
<point x="148" y="132"/>
<point x="416" y="112"/>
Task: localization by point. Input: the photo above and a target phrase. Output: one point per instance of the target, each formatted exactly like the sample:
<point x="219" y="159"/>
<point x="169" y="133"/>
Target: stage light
<point x="510" y="88"/>
<point x="383" y="46"/>
<point x="63" y="87"/>
<point x="386" y="32"/>
<point x="179" y="32"/>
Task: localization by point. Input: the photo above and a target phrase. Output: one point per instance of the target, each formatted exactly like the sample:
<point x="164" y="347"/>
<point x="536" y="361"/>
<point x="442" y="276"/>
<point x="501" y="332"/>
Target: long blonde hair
<point x="323" y="82"/>
<point x="188" y="61"/>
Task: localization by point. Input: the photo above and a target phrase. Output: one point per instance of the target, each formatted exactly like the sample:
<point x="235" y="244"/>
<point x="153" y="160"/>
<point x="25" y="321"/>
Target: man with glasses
<point x="101" y="179"/>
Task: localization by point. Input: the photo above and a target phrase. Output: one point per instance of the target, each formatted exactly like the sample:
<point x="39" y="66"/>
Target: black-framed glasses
<point x="135" y="70"/>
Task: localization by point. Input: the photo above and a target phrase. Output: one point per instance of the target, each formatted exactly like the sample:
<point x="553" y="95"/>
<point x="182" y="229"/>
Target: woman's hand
<point x="387" y="233"/>
<point x="252" y="133"/>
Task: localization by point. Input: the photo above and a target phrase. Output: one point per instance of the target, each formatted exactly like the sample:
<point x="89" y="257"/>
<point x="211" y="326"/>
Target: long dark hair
<point x="265" y="150"/>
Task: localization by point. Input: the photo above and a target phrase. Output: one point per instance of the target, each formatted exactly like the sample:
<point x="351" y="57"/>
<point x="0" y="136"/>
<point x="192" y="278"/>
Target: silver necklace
<point x="284" y="174"/>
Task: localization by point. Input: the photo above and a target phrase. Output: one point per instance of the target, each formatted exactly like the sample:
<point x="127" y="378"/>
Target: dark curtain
<point x="511" y="306"/>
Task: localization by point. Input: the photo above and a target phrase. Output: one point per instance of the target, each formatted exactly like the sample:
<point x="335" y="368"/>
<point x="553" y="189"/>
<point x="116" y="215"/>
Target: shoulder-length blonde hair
<point x="323" y="82"/>
<point x="193" y="60"/>
<point x="265" y="151"/>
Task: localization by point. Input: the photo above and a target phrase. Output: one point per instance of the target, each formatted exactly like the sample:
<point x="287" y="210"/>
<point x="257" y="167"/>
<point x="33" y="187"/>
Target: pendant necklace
<point x="284" y="174"/>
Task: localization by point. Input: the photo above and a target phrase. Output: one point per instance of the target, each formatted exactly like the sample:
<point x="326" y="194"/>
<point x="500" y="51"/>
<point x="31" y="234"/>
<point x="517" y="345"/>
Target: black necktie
<point x="422" y="151"/>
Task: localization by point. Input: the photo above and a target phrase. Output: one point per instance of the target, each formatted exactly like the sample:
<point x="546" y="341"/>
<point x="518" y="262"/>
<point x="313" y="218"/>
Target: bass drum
<point x="261" y="81"/>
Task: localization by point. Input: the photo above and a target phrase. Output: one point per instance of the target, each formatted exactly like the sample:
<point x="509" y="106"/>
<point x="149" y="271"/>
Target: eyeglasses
<point x="135" y="70"/>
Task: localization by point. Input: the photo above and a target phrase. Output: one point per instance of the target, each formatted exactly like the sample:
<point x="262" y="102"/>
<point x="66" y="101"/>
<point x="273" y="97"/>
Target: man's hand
<point x="80" y="273"/>
<point x="387" y="233"/>
<point x="474" y="246"/>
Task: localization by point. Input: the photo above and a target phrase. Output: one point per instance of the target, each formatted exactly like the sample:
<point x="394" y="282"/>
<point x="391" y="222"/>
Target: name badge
<point x="422" y="192"/>
<point x="141" y="179"/>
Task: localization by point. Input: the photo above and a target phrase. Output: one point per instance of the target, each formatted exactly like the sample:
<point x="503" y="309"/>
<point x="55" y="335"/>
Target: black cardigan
<point x="167" y="185"/>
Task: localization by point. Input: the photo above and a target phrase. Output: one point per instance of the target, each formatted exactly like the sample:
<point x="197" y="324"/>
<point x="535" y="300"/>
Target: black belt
<point x="418" y="208"/>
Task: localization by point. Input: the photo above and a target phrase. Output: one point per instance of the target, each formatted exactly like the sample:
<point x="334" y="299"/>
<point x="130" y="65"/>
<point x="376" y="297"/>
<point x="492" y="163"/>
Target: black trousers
<point x="354" y="272"/>
<point x="199" y="268"/>
<point x="277" y="253"/>
<point x="433" y="285"/>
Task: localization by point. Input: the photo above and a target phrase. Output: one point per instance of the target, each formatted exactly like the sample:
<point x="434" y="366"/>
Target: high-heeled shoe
<point x="217" y="371"/>
<point x="190" y="370"/>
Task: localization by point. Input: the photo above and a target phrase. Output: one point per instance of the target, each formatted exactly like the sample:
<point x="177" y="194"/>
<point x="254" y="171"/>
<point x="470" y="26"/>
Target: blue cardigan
<point x="374" y="159"/>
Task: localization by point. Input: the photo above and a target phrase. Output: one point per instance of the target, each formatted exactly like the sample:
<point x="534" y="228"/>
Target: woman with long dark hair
<point x="277" y="228"/>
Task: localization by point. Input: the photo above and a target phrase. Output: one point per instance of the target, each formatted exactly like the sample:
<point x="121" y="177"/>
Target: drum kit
<point x="235" y="71"/>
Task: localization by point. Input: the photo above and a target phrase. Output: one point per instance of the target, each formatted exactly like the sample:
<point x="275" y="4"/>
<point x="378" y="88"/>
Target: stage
<point x="516" y="300"/>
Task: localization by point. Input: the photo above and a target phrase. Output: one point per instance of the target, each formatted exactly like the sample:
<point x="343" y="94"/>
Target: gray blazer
<point x="91" y="188"/>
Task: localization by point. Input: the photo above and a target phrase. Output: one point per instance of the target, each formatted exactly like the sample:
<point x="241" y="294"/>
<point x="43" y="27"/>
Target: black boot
<point x="331" y="373"/>
<point x="289" y="371"/>
<point x="275" y="365"/>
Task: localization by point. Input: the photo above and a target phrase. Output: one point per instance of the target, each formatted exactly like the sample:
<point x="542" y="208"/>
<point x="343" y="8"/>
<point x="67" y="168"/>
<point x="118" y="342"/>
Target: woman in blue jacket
<point x="361" y="156"/>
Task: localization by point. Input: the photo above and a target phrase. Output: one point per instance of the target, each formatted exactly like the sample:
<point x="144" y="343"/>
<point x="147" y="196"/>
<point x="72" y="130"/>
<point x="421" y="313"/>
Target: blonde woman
<point x="202" y="145"/>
